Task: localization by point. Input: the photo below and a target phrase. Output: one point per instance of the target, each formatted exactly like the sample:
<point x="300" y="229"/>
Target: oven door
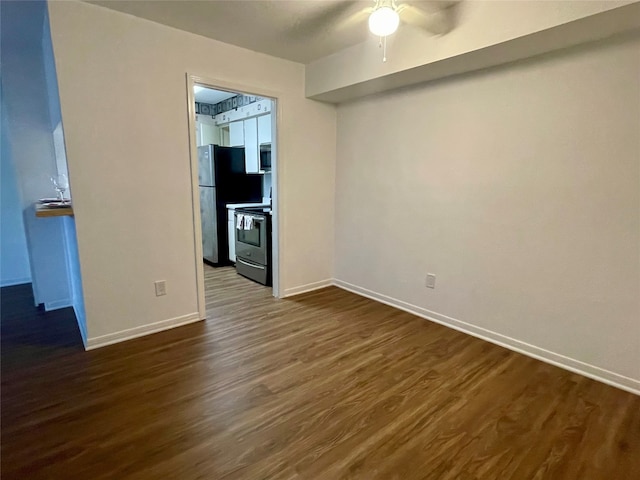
<point x="252" y="244"/>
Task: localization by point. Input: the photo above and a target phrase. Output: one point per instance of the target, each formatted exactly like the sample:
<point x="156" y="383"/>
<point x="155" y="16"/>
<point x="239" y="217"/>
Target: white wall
<point x="131" y="178"/>
<point x="50" y="74"/>
<point x="14" y="260"/>
<point x="25" y="98"/>
<point x="519" y="187"/>
<point x="25" y="95"/>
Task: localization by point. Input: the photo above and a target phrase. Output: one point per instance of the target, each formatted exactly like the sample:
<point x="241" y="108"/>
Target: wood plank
<point x="326" y="385"/>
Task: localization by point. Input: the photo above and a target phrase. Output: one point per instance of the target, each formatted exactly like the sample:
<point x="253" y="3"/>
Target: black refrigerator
<point x="223" y="179"/>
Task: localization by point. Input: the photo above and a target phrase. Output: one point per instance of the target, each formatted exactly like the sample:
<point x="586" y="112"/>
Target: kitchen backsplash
<point x="225" y="105"/>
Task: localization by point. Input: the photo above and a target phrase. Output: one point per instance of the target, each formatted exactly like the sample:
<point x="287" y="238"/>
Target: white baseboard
<point x="576" y="366"/>
<point x="15" y="281"/>
<point x="57" y="304"/>
<point x="309" y="287"/>
<point x="81" y="325"/>
<point x="117" y="337"/>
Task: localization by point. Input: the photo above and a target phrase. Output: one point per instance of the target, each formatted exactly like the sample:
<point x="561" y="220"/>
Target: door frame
<point x="276" y="113"/>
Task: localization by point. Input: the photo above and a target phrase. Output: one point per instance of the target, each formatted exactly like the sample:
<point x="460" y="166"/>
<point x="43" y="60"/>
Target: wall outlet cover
<point x="431" y="280"/>
<point x="161" y="287"/>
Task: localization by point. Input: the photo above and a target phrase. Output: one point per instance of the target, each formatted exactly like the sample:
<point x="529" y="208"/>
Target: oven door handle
<point x="250" y="264"/>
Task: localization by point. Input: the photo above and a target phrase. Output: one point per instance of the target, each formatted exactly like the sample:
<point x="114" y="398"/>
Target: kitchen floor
<point x="225" y="288"/>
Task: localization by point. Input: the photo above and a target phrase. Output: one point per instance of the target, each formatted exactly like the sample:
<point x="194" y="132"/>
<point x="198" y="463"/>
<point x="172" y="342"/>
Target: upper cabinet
<point x="236" y="134"/>
<point x="207" y="132"/>
<point x="251" y="160"/>
<point x="249" y="132"/>
<point x="264" y="129"/>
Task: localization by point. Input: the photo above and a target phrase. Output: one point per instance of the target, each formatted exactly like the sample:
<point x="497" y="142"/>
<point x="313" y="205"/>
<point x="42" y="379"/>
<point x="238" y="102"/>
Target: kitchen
<point x="234" y="135"/>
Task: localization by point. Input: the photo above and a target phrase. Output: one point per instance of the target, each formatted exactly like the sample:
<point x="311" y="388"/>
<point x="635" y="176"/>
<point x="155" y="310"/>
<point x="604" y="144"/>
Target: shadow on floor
<point x="29" y="334"/>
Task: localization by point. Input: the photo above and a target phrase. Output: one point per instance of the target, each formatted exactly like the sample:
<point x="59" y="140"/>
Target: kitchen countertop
<point x="233" y="206"/>
<point x="255" y="210"/>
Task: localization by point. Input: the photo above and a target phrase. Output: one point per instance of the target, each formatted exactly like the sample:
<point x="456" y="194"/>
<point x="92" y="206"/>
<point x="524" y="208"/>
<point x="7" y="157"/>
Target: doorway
<point x="234" y="169"/>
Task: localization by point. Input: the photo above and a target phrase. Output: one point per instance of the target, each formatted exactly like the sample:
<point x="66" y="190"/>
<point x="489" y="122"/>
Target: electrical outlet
<point x="431" y="280"/>
<point x="161" y="287"/>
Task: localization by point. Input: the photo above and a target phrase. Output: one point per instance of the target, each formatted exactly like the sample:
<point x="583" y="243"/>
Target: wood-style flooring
<point x="32" y="335"/>
<point x="326" y="385"/>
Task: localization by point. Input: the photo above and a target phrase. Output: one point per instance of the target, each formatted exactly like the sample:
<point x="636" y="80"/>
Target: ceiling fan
<point x="383" y="17"/>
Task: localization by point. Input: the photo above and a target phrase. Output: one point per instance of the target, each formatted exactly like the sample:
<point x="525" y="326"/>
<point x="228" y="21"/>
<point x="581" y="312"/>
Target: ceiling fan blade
<point x="333" y="17"/>
<point x="437" y="22"/>
<point x="355" y="18"/>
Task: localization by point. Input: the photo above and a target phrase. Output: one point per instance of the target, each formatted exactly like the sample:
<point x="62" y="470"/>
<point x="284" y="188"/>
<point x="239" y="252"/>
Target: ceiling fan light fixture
<point x="384" y="21"/>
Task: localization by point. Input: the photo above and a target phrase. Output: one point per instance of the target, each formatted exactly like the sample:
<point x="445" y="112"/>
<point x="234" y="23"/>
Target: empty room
<point x="320" y="239"/>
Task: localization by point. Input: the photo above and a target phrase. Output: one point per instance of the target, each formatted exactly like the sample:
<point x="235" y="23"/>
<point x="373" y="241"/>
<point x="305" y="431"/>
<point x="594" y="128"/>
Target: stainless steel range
<point x="253" y="243"/>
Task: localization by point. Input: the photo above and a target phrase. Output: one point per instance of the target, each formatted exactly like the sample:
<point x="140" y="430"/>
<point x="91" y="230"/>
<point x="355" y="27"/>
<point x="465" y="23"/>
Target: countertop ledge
<point x="42" y="211"/>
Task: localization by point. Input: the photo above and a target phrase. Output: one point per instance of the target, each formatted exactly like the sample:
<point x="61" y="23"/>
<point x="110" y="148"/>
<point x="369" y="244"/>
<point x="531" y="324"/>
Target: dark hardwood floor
<point x="31" y="335"/>
<point x="327" y="385"/>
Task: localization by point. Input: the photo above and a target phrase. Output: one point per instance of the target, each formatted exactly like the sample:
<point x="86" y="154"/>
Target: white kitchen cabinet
<point x="209" y="134"/>
<point x="264" y="129"/>
<point x="251" y="158"/>
<point x="224" y="136"/>
<point x="236" y="134"/>
<point x="231" y="226"/>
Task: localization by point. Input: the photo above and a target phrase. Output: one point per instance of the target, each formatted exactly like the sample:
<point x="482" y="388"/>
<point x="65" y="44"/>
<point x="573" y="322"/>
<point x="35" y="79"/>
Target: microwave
<point x="265" y="156"/>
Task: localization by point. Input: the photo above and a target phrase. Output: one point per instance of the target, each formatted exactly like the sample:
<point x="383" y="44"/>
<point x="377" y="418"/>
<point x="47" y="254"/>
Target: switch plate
<point x="161" y="287"/>
<point x="431" y="280"/>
